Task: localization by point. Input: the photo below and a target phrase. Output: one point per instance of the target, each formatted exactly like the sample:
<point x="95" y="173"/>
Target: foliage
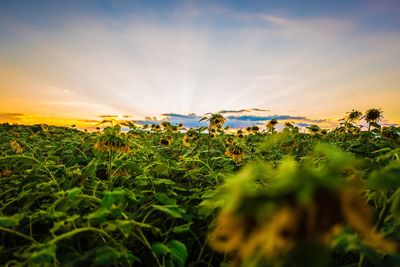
<point x="168" y="196"/>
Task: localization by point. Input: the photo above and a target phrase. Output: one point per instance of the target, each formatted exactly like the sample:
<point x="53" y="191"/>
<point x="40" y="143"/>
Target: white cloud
<point x="144" y="67"/>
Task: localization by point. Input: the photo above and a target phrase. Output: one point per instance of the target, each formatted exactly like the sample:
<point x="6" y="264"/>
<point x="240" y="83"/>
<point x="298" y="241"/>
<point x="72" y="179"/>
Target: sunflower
<point x="216" y="120"/>
<point x="111" y="143"/>
<point x="271" y="237"/>
<point x="112" y="140"/>
<point x="157" y="127"/>
<point x="166" y="141"/>
<point x="186" y="140"/>
<point x="228" y="234"/>
<point x="314" y="128"/>
<point x="235" y="152"/>
<point x="288" y="124"/>
<point x="229" y="140"/>
<point x="372" y="116"/>
<point x="18" y="149"/>
<point x="165" y="125"/>
<point x="255" y="129"/>
<point x="353" y="116"/>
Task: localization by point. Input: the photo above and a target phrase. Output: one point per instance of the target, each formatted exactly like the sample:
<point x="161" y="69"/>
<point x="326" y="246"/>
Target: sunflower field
<point x="163" y="195"/>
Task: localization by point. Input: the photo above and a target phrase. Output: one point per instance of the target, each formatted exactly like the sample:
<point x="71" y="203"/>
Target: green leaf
<point x="182" y="228"/>
<point x="106" y="256"/>
<point x="172" y="210"/>
<point x="7" y="221"/>
<point x="164" y="199"/>
<point x="160" y="249"/>
<point x="386" y="178"/>
<point x="163" y="181"/>
<point x="45" y="254"/>
<point x="114" y="197"/>
<point x="99" y="215"/>
<point x="178" y="252"/>
<point x="395" y="208"/>
<point x="74" y="193"/>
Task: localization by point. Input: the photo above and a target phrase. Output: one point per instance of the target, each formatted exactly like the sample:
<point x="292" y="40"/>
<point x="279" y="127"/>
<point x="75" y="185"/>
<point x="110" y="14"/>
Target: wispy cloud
<point x="199" y="57"/>
<point x="11" y="116"/>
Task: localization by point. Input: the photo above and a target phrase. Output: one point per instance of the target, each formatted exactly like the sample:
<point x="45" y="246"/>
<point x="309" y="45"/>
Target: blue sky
<point x="313" y="59"/>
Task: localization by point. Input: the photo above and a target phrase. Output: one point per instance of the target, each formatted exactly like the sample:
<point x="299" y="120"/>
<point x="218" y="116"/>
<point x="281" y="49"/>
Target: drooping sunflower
<point x="112" y="140"/>
<point x="353" y="116"/>
<point x="235" y="152"/>
<point x="16" y="147"/>
<point x="216" y="121"/>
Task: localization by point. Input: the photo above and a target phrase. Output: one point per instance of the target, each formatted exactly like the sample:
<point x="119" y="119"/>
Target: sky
<point x="79" y="61"/>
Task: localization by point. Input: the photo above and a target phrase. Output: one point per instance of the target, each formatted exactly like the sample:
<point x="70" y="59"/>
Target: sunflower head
<point x="165" y="125"/>
<point x="354" y="115"/>
<point x="16" y="147"/>
<point x="165" y="141"/>
<point x="229" y="140"/>
<point x="255" y="128"/>
<point x="112" y="140"/>
<point x="288" y="124"/>
<point x="273" y="122"/>
<point x="216" y="121"/>
<point x="373" y="115"/>
<point x="235" y="151"/>
<point x="192" y="133"/>
<point x="186" y="140"/>
<point x="271" y="125"/>
<point x="314" y="128"/>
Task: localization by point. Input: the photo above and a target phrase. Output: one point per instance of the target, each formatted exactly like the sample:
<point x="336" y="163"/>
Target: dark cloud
<point x="242" y="111"/>
<point x="192" y="120"/>
<point x="234" y="111"/>
<point x="259" y="109"/>
<point x="255" y="119"/>
<point x="302" y="124"/>
<point x="11" y="116"/>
